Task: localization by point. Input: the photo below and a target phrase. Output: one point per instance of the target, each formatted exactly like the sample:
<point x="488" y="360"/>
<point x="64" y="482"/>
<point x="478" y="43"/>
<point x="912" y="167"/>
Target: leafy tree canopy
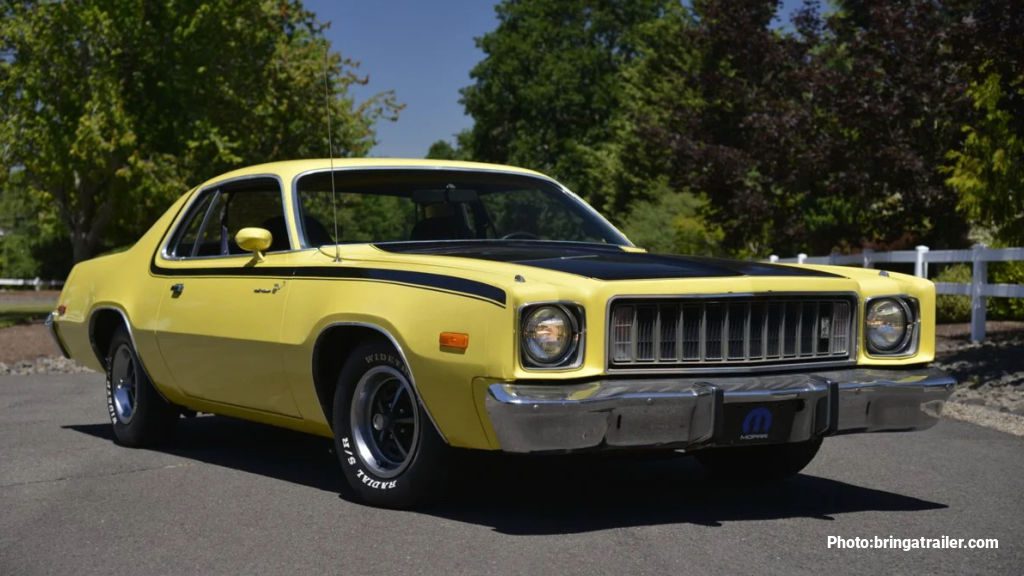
<point x="112" y="108"/>
<point x="547" y="91"/>
<point x="880" y="124"/>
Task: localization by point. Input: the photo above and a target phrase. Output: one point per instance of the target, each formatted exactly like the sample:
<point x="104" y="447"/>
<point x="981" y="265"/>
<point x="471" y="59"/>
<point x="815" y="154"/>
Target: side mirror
<point x="255" y="240"/>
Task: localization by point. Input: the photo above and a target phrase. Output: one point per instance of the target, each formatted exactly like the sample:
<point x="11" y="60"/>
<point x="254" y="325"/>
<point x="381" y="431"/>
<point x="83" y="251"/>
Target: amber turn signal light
<point x="454" y="340"/>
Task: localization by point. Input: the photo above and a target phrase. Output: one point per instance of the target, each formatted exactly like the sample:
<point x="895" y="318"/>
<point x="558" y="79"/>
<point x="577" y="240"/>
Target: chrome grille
<point x="697" y="332"/>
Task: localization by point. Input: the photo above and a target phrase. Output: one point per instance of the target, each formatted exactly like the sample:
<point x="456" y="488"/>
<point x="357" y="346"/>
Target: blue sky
<point x="421" y="50"/>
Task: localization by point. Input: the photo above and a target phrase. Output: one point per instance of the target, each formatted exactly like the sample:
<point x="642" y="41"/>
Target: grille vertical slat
<point x="668" y="328"/>
<point x="756" y="330"/>
<point x="622" y="334"/>
<point x="808" y="324"/>
<point x="683" y="332"/>
<point x="790" y="328"/>
<point x="840" y="319"/>
<point x="737" y="331"/>
<point x="645" y="316"/>
<point x="691" y="332"/>
<point x="773" y="327"/>
<point x="713" y="318"/>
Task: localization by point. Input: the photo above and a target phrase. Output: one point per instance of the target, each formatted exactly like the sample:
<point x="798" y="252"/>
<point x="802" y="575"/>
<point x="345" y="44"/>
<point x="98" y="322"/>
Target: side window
<point x="245" y="204"/>
<point x="185" y="244"/>
<point x="363" y="215"/>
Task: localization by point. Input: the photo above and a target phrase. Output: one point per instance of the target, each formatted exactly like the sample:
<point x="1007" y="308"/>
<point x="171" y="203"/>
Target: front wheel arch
<point x="333" y="349"/>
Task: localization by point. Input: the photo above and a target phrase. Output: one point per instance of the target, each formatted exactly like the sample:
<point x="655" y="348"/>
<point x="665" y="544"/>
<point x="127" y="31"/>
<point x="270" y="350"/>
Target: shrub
<point x="958" y="308"/>
<point x="953" y="308"/>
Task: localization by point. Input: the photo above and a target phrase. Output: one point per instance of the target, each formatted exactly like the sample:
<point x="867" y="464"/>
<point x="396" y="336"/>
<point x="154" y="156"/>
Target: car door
<point x="219" y="323"/>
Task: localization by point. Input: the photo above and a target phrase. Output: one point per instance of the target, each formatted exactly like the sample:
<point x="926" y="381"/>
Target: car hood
<point x="601" y="262"/>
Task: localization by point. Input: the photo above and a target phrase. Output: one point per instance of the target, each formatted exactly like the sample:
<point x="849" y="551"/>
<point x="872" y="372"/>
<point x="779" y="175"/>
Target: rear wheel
<point x="139" y="415"/>
<point x="774" y="462"/>
<point x="390" y="453"/>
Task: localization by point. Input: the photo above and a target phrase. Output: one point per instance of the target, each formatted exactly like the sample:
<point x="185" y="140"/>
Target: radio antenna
<point x="330" y="153"/>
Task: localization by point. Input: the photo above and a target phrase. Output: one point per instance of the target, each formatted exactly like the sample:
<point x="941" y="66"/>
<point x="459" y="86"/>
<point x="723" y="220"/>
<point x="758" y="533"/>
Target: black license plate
<point x="758" y="422"/>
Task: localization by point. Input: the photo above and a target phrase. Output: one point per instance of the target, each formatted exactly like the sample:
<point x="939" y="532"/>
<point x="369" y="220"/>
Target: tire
<point x="139" y="415"/>
<point x="762" y="463"/>
<point x="390" y="453"/>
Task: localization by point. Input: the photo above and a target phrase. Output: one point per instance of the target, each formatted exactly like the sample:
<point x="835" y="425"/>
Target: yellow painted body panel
<point x="243" y="345"/>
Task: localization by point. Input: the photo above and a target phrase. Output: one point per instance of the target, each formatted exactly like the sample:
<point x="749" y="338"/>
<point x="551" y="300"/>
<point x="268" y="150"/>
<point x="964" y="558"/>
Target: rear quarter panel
<point x="123" y="282"/>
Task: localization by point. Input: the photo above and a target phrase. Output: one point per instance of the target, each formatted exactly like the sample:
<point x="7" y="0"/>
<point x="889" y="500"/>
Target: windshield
<point x="410" y="205"/>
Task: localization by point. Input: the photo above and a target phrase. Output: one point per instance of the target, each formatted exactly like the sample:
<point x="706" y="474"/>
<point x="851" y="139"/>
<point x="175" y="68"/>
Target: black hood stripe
<point x="602" y="262"/>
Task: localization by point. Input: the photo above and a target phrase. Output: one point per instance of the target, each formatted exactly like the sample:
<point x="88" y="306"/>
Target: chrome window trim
<point x="401" y="352"/>
<point x="197" y="193"/>
<point x="712" y="368"/>
<point x="297" y="209"/>
<point x="911" y="342"/>
<point x="576" y="312"/>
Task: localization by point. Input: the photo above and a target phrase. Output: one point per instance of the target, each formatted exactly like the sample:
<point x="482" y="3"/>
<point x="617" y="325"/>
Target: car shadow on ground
<point x="543" y="495"/>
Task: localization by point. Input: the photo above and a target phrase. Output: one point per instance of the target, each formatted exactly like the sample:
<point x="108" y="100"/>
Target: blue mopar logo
<point x="757" y="423"/>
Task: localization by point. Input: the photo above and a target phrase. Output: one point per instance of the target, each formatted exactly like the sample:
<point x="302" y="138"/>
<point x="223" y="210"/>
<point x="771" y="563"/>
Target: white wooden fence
<point x="33" y="282"/>
<point x="978" y="256"/>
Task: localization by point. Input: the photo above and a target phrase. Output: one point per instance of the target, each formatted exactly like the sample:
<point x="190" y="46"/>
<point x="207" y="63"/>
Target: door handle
<point x="273" y="290"/>
<point x="176" y="290"/>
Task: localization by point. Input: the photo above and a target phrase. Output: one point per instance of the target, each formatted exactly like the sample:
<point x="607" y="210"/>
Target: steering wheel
<point x="520" y="235"/>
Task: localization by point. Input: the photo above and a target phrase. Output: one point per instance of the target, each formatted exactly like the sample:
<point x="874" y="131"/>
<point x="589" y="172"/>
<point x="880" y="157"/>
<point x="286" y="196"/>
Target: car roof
<point x="288" y="169"/>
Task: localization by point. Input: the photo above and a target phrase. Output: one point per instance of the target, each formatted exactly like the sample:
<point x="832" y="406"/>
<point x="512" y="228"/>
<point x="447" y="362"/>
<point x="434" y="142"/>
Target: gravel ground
<point x="991" y="374"/>
<point x="25" y="343"/>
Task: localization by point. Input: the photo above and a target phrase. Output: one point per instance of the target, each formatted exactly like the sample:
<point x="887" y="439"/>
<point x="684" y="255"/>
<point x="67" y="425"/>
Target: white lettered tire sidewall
<point x="422" y="477"/>
<point x="153" y="418"/>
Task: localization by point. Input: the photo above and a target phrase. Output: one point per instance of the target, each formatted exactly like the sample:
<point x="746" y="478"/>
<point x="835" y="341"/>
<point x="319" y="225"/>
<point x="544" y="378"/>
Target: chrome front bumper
<point x="695" y="412"/>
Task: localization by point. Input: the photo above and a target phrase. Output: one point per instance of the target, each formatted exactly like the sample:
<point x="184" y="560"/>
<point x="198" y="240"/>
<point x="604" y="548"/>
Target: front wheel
<point x="390" y="453"/>
<point x="763" y="463"/>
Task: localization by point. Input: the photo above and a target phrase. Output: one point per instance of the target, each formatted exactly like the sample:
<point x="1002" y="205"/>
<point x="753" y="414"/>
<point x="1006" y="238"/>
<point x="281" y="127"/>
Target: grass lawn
<point x="12" y="313"/>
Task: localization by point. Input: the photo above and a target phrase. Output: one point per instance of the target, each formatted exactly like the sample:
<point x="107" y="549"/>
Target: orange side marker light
<point x="454" y="340"/>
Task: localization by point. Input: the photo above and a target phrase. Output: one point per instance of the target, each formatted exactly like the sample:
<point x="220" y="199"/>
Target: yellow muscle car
<point x="403" y="307"/>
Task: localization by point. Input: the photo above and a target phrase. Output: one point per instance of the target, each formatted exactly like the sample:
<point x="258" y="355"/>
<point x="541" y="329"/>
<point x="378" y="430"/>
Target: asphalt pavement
<point x="230" y="497"/>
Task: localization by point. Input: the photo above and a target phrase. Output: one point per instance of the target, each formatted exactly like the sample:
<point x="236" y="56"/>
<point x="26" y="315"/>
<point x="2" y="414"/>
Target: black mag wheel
<point x="385" y="421"/>
<point x="138" y="414"/>
<point x="390" y="453"/>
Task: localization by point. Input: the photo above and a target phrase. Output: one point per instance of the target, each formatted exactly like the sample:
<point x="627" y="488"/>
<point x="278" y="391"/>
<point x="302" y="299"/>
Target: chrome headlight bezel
<point x="572" y="356"/>
<point x="908" y="343"/>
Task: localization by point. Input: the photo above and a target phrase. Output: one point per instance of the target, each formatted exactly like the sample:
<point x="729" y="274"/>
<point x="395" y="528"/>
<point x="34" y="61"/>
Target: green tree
<point x="988" y="169"/>
<point x="827" y="135"/>
<point x="444" y="150"/>
<point x="112" y="108"/>
<point x="672" y="222"/>
<point x="547" y="92"/>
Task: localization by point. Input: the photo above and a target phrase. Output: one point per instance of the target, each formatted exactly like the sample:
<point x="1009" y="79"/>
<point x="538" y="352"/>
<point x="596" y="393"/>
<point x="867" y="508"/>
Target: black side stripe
<point x="450" y="284"/>
<point x="437" y="282"/>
